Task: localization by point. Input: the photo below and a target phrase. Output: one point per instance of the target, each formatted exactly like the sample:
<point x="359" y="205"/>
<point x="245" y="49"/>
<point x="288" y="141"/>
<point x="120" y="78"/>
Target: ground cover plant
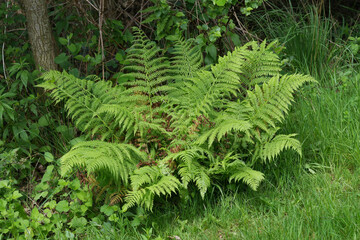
<point x="177" y="123"/>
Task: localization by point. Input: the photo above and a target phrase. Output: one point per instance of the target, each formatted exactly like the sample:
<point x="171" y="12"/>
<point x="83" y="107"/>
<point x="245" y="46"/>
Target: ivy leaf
<point x="36" y="215"/>
<point x="119" y="57"/>
<point x="43" y="122"/>
<point x="72" y="48"/>
<point x="4" y="183"/>
<point x="235" y="38"/>
<point x="180" y="14"/>
<point x="16" y="194"/>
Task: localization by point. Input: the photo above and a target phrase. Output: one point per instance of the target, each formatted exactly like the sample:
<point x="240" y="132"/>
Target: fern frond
<point x="209" y="91"/>
<point x="186" y="60"/>
<point x="193" y="171"/>
<point x="271" y="102"/>
<point x="146" y="183"/>
<point x="249" y="176"/>
<point x="117" y="161"/>
<point x="83" y="97"/>
<point x="190" y="168"/>
<point x="225" y="125"/>
<point x="279" y="143"/>
<point x="124" y="118"/>
<point x="260" y="63"/>
<point x="144" y="175"/>
<point x="151" y="72"/>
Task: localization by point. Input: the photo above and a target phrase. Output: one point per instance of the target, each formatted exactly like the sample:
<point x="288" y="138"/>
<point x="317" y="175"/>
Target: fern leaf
<point x="83" y="97"/>
<point x="191" y="170"/>
<point x="148" y="182"/>
<point x="116" y="160"/>
<point x="271" y="102"/>
<point x="279" y="143"/>
<point x="186" y="60"/>
<point x="248" y="176"/>
<point x="226" y="125"/>
<point x="260" y="63"/>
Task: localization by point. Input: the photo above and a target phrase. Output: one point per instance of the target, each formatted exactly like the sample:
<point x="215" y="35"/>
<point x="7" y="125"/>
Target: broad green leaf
<point x="107" y="210"/>
<point x="63" y="41"/>
<point x="62" y="58"/>
<point x="211" y="49"/>
<point x="220" y="3"/>
<point x="16" y="194"/>
<point x="62" y="206"/>
<point x="72" y="48"/>
<point x="78" y="222"/>
<point x="49" y="158"/>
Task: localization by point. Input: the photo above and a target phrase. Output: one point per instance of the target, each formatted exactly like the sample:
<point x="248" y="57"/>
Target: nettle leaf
<point x="78" y="222"/>
<point x="62" y="206"/>
<point x="107" y="210"/>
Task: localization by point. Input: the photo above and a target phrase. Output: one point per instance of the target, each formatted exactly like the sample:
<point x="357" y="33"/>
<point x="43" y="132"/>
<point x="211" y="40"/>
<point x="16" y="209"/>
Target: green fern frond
<point x="225" y="125"/>
<point x="186" y="60"/>
<point x="83" y="97"/>
<point x="271" y="102"/>
<point x="171" y="110"/>
<point x="193" y="171"/>
<point x="279" y="143"/>
<point x="151" y="72"/>
<point x="200" y="96"/>
<point x="144" y="175"/>
<point x="125" y="119"/>
<point x="207" y="92"/>
<point x="260" y="63"/>
<point x="146" y="183"/>
<point x="249" y="176"/>
<point x="190" y="168"/>
<point x="103" y="158"/>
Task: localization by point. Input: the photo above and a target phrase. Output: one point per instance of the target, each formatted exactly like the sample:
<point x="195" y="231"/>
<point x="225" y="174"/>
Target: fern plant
<point x="179" y="123"/>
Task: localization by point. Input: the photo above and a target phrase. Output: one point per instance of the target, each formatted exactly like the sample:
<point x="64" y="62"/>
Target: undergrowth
<point x="177" y="123"/>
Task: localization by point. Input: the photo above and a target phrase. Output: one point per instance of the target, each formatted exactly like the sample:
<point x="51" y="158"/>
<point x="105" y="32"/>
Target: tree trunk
<point x="40" y="34"/>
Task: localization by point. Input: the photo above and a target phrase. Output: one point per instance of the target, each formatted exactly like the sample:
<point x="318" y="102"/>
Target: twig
<point x="3" y="45"/>
<point x="93" y="5"/>
<point x="101" y="19"/>
<point x="16" y="29"/>
<point x="242" y="29"/>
